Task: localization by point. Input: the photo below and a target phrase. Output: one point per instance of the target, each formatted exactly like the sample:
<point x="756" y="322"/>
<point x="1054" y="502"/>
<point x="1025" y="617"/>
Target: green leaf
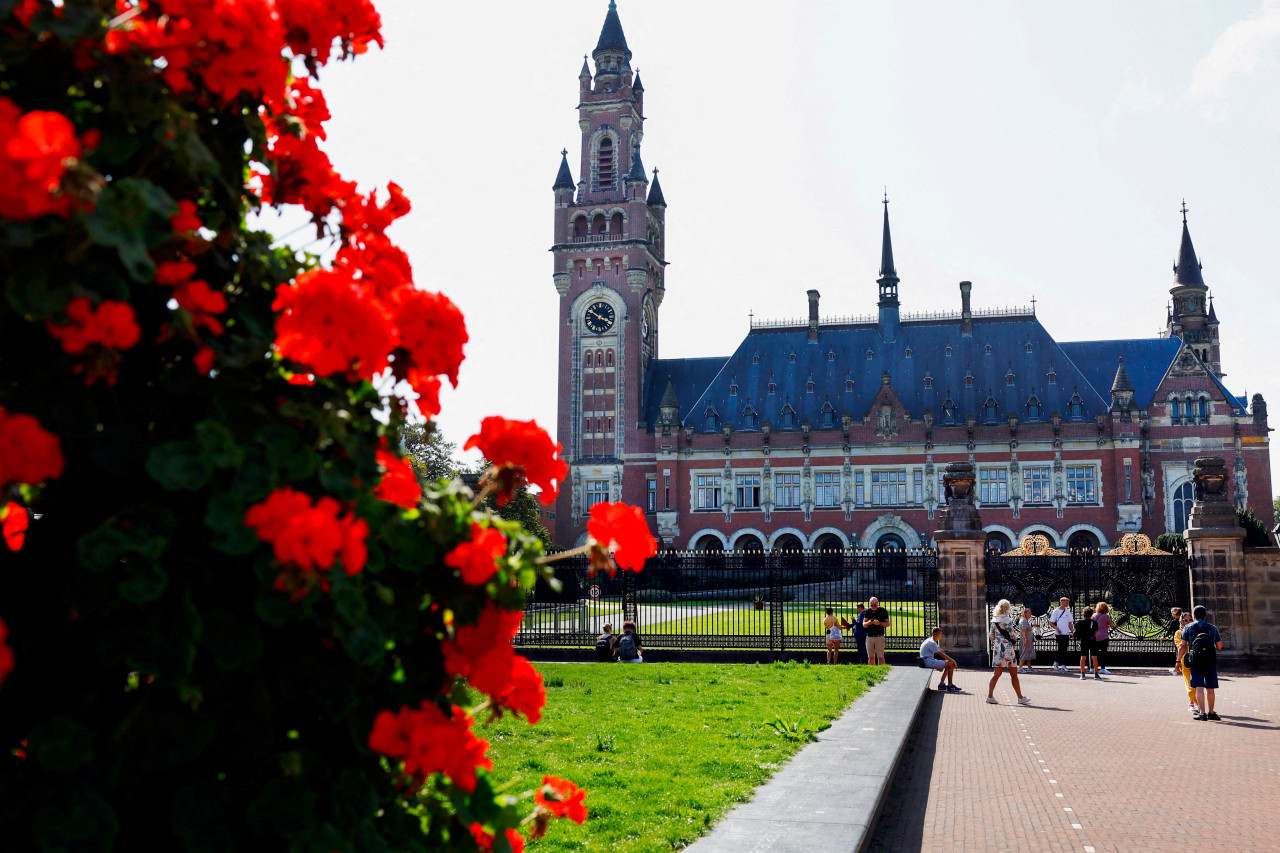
<point x="144" y="531"/>
<point x="179" y="466"/>
<point x="143" y="580"/>
<point x="131" y="216"/>
<point x="84" y="823"/>
<point x="218" y="445"/>
<point x="226" y="519"/>
<point x="233" y="644"/>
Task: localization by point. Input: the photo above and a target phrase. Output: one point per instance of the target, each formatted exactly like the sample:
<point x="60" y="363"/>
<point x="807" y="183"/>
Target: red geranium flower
<point x="562" y="798"/>
<point x="482" y="654"/>
<point x="484" y="840"/>
<point x="476" y="559"/>
<point x="186" y="221"/>
<point x="399" y="484"/>
<point x="429" y="742"/>
<point x="328" y="323"/>
<point x="6" y="653"/>
<point x="112" y="325"/>
<point x="15" y="522"/>
<point x="621" y="529"/>
<point x="433" y="332"/>
<point x="29" y="453"/>
<point x="36" y="149"/>
<point x="521" y="451"/>
<point x="307" y="538"/>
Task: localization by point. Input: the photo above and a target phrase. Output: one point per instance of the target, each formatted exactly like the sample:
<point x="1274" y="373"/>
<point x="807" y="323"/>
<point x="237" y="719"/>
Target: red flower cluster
<point x="430" y="742"/>
<point x="194" y="296"/>
<point x="482" y="654"/>
<point x="186" y="221"/>
<point x="303" y="175"/>
<point x="307" y="537"/>
<point x="562" y="798"/>
<point x="521" y="452"/>
<point x="35" y="150"/>
<point x="399" y="484"/>
<point x="328" y="324"/>
<point x="312" y="26"/>
<point x="484" y="840"/>
<point x="622" y="530"/>
<point x="13" y="522"/>
<point x="6" y="653"/>
<point x="110" y="328"/>
<point x="29" y="453"/>
<point x="477" y="559"/>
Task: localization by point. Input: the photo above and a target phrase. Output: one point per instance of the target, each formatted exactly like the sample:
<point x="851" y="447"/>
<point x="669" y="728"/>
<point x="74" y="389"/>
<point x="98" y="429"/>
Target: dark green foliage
<point x="1256" y="534"/>
<point x="1174" y="543"/>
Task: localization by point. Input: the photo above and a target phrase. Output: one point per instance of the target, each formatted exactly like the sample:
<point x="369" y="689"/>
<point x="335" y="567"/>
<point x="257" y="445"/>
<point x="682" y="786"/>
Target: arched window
<point x="598" y="224"/>
<point x="710" y="543"/>
<point x="587" y="359"/>
<point x="1173" y="409"/>
<point x="1204" y="408"/>
<point x="604" y="163"/>
<point x="788" y="542"/>
<point x="599" y="359"/>
<point x="608" y="358"/>
<point x="748" y="542"/>
<point x="615" y="224"/>
<point x="890" y="542"/>
<point x="580" y="226"/>
<point x="998" y="543"/>
<point x="1082" y="540"/>
<point x="1183" y="498"/>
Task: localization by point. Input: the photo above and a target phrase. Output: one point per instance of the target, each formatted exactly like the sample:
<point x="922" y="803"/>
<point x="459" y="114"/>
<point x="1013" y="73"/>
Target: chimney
<point x="813" y="316"/>
<point x="966" y="310"/>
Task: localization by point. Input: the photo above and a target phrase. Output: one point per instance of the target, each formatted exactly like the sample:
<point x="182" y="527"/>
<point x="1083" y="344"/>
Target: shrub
<point x="655" y="596"/>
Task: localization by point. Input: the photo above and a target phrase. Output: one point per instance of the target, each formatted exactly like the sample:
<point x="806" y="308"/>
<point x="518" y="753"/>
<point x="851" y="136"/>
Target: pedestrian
<point x="1062" y="620"/>
<point x="605" y="644"/>
<point x="1027" y="646"/>
<point x="831" y="625"/>
<point x="860" y="632"/>
<point x="629" y="648"/>
<point x="1180" y="621"/>
<point x="1086" y="630"/>
<point x="1102" y="639"/>
<point x="1002" y="652"/>
<point x="933" y="657"/>
<point x="1203" y="641"/>
<point x="877" y="620"/>
<point x="1184" y="619"/>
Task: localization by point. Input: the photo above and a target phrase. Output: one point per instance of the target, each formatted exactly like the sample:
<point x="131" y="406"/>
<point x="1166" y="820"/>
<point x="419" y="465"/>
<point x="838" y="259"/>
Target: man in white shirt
<point x="933" y="657"/>
<point x="1063" y="622"/>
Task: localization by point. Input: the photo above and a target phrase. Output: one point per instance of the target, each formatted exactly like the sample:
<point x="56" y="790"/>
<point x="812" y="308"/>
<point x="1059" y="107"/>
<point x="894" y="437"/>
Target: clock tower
<point x="608" y="272"/>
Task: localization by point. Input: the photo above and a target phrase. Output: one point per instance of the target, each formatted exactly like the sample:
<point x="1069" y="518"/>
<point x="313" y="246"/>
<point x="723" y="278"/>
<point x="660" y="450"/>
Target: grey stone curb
<point x="828" y="795"/>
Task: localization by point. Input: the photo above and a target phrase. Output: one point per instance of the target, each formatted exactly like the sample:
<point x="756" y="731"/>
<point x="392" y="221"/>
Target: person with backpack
<point x="1203" y="642"/>
<point x="605" y="644"/>
<point x="1086" y="629"/>
<point x="628" y="649"/>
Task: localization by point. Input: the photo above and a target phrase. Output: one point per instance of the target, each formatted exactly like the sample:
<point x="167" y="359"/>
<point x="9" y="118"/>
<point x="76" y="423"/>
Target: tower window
<point x="1204" y="408"/>
<point x="608" y="358"/>
<point x="587" y="360"/>
<point x="615" y="224"/>
<point x="604" y="163"/>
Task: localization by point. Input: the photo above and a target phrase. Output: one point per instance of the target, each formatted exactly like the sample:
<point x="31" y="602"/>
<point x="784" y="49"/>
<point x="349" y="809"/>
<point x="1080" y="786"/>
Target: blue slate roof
<point x="611" y="35"/>
<point x="1017" y="346"/>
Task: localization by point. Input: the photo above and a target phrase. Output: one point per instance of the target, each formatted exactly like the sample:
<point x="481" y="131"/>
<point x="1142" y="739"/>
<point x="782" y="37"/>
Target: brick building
<point x="833" y="432"/>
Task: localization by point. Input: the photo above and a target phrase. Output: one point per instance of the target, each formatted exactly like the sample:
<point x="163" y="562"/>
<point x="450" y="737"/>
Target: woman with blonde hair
<point x="1002" y="651"/>
<point x="1102" y="639"/>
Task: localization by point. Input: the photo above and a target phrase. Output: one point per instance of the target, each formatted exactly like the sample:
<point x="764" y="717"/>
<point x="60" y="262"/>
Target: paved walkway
<point x="1089" y="766"/>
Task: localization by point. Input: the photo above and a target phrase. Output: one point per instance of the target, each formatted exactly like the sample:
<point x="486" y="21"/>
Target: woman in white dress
<point x="1003" y="654"/>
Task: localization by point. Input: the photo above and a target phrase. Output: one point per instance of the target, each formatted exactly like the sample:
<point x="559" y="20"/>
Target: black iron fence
<point x="1140" y="590"/>
<point x="773" y="600"/>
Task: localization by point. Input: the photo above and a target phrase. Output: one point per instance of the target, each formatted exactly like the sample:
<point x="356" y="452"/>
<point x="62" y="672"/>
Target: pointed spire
<point x="611" y="36"/>
<point x="669" y="400"/>
<point x="586" y="69"/>
<point x="1122" y="381"/>
<point x="564" y="178"/>
<point x="637" y="168"/>
<point x="886" y="249"/>
<point x="1213" y="315"/>
<point x="637" y="86"/>
<point x="655" y="192"/>
<point x="1188" y="269"/>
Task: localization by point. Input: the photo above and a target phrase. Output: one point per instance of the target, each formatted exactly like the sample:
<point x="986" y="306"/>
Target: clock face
<point x="599" y="317"/>
<point x="644" y="324"/>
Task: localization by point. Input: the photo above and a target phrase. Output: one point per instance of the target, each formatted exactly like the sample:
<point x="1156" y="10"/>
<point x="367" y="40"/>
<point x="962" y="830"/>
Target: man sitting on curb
<point x="933" y="657"/>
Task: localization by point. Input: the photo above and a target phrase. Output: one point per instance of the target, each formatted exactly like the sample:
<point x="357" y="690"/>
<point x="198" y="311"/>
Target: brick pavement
<point x="1089" y="767"/>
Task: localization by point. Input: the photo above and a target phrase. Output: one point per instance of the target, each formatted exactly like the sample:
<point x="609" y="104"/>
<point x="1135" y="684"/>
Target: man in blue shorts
<point x="1202" y="659"/>
<point x="933" y="657"/>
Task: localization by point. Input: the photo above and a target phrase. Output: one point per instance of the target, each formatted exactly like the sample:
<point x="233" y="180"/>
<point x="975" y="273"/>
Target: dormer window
<point x="988" y="349"/>
<point x="991" y="408"/>
<point x="733" y="390"/>
<point x="870" y="353"/>
<point x="1008" y="378"/>
<point x="808" y="386"/>
<point x="1028" y="347"/>
<point x="928" y="382"/>
<point x="1076" y="407"/>
<point x="788" y="417"/>
<point x="968" y="380"/>
<point x="1053" y="378"/>
<point x="907" y="353"/>
<point x="948" y="352"/>
<point x="755" y="359"/>
<point x="1033" y="408"/>
<point x="749" y="418"/>
<point x="831" y="355"/>
<point x="949" y="410"/>
<point x="848" y="385"/>
<point x="712" y="419"/>
<point x="792" y="358"/>
<point x="773" y="386"/>
<point x="828" y="415"/>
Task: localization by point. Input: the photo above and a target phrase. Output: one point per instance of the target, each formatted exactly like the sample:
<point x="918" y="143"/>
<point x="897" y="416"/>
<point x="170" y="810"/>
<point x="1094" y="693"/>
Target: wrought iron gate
<point x="773" y="600"/>
<point x="1140" y="589"/>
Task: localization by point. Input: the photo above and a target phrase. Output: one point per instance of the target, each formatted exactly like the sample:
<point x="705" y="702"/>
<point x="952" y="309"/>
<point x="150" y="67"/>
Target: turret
<point x="888" y="282"/>
<point x="1121" y="390"/>
<point x="584" y="76"/>
<point x="669" y="406"/>
<point x="1193" y="318"/>
<point x="611" y="55"/>
<point x="636" y="180"/>
<point x="564" y="186"/>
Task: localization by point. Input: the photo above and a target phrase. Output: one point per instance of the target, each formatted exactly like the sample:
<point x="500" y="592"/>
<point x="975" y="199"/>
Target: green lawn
<point x="796" y="621"/>
<point x="664" y="750"/>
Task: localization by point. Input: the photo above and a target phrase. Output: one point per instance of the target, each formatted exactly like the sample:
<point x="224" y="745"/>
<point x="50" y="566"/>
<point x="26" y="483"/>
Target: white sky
<point x="1035" y="149"/>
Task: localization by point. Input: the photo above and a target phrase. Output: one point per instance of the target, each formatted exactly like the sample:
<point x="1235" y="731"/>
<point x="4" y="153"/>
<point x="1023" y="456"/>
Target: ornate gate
<point x="1139" y="583"/>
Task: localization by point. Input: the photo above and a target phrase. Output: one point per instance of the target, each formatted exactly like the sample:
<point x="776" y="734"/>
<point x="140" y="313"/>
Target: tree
<point x="1256" y="534"/>
<point x="239" y="622"/>
<point x="432" y="456"/>
<point x="1172" y="542"/>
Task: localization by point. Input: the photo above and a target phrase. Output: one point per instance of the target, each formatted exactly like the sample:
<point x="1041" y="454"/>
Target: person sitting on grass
<point x="933" y="657"/>
<point x="605" y="644"/>
<point x="628" y="648"/>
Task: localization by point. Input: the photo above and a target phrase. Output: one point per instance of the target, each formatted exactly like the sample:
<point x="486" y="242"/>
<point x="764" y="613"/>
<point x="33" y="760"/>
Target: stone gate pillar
<point x="962" y="586"/>
<point x="1216" y="543"/>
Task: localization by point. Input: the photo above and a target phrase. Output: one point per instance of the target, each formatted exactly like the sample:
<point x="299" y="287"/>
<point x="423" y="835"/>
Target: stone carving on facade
<point x="887" y="422"/>
<point x="1213" y="507"/>
<point x="959" y="514"/>
<point x="1242" y="483"/>
<point x="846" y="490"/>
<point x="577" y="492"/>
<point x="1135" y="544"/>
<point x="766" y="490"/>
<point x="1035" y="545"/>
